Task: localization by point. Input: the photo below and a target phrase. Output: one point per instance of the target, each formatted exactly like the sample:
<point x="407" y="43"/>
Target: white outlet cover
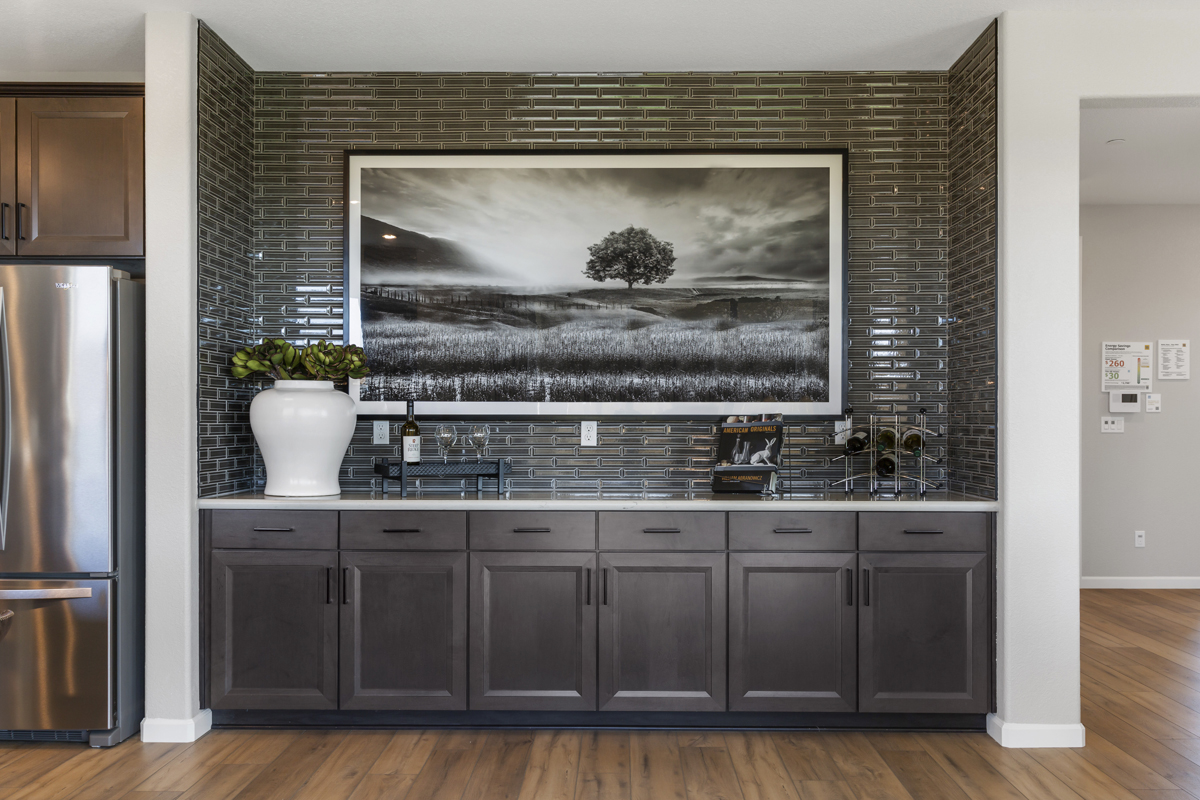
<point x="1139" y="538"/>
<point x="382" y="432"/>
<point x="1112" y="424"/>
<point x="587" y="434"/>
<point x="841" y="431"/>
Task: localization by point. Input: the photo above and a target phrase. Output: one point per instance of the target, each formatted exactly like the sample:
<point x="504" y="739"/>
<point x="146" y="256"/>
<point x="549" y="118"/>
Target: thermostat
<point x="1125" y="402"/>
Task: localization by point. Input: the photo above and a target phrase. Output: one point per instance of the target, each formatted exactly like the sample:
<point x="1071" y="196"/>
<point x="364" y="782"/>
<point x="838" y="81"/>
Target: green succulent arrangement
<point x="282" y="361"/>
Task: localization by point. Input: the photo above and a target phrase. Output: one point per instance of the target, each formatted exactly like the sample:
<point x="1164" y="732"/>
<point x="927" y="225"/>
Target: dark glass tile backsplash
<point x="972" y="269"/>
<point x="896" y="126"/>
<point x="226" y="290"/>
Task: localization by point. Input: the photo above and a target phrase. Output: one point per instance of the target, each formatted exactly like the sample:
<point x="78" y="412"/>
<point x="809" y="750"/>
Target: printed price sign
<point x="1126" y="366"/>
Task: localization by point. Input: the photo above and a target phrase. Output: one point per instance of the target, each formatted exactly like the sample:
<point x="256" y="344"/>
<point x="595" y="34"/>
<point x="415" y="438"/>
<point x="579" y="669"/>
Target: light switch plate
<point x="1112" y="424"/>
<point x="587" y="434"/>
<point x="1139" y="538"/>
<point x="1154" y="404"/>
<point x="382" y="432"/>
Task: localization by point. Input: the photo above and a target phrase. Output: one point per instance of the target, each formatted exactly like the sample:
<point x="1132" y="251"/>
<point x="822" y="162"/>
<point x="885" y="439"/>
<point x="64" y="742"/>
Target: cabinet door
<point x="404" y="631"/>
<point x="792" y="632"/>
<point x="662" y="632"/>
<point x="79" y="176"/>
<point x="923" y="632"/>
<point x="533" y="631"/>
<point x="274" y="629"/>
<point x="8" y="176"/>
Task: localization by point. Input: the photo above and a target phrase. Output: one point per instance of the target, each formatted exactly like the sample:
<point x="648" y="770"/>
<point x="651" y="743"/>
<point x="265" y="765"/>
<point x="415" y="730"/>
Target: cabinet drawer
<point x="275" y="530"/>
<point x="662" y="530"/>
<point x="404" y="530"/>
<point x="533" y="530"/>
<point x="917" y="530"/>
<point x="791" y="530"/>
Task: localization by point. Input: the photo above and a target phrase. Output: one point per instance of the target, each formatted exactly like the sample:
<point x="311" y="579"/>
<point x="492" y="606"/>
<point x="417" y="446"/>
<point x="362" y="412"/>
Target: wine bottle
<point x="885" y="466"/>
<point x="858" y="440"/>
<point x="886" y="440"/>
<point x="410" y="434"/>
<point x="913" y="441"/>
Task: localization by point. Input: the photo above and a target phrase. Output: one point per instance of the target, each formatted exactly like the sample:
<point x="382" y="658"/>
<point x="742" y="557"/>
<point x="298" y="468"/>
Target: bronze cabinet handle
<point x="531" y="530"/>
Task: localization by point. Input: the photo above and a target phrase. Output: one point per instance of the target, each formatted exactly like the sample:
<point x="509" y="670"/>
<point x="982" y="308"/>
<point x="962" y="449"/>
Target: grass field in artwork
<point x="648" y="344"/>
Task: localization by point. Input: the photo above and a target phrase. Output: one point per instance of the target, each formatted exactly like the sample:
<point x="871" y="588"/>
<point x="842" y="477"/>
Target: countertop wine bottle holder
<point x="900" y="425"/>
<point x="479" y="469"/>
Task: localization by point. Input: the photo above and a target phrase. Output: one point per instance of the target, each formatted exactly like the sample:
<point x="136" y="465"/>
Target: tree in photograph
<point x="633" y="255"/>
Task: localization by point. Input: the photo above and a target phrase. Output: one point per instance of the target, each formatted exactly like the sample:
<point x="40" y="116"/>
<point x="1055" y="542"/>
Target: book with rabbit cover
<point x="747" y="457"/>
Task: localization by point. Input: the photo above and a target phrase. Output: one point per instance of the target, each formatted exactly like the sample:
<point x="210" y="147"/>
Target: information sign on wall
<point x="1127" y="366"/>
<point x="1174" y="361"/>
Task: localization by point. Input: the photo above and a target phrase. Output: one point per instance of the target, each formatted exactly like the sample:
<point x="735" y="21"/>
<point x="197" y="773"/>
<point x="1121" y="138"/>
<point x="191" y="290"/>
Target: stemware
<point x="446" y="437"/>
<point x="479" y="439"/>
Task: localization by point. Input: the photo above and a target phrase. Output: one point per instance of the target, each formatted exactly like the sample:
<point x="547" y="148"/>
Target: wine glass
<point x="446" y="437"/>
<point x="479" y="439"/>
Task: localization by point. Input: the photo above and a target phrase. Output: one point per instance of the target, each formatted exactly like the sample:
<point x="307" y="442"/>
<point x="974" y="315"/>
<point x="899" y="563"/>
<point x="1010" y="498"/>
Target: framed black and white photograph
<point x="664" y="283"/>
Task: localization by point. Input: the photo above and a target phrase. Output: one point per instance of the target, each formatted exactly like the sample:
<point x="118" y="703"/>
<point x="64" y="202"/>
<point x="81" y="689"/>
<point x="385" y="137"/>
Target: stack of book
<point x="748" y="457"/>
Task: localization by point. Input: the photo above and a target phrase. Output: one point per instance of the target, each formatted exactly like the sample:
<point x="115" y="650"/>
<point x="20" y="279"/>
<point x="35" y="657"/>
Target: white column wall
<point x="1049" y="62"/>
<point x="173" y="711"/>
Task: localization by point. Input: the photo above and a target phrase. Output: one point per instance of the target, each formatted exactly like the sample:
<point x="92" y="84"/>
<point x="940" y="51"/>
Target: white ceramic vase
<point x="303" y="429"/>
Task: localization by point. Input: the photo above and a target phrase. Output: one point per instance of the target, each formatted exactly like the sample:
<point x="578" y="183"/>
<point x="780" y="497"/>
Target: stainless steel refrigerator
<point x="71" y="503"/>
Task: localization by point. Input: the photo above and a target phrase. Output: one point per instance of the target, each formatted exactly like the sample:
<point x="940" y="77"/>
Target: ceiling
<point x="1158" y="163"/>
<point x="102" y="39"/>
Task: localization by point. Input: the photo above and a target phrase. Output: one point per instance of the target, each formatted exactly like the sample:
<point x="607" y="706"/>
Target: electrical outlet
<point x="587" y="434"/>
<point x="382" y="432"/>
<point x="1112" y="424"/>
<point x="1139" y="538"/>
<point x="841" y="430"/>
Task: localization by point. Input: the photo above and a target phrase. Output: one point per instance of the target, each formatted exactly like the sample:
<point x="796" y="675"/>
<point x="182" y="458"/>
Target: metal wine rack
<point x="477" y="469"/>
<point x="899" y="424"/>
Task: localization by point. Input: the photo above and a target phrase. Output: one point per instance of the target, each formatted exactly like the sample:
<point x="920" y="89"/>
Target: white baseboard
<point x="177" y="730"/>
<point x="1136" y="582"/>
<point x="1032" y="734"/>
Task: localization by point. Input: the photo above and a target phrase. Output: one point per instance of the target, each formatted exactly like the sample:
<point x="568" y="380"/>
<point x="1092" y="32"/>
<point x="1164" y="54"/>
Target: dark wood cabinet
<point x="923" y="632"/>
<point x="792" y="632"/>
<point x="404" y="631"/>
<point x="662" y="632"/>
<point x="79" y="176"/>
<point x="8" y="176"/>
<point x="274" y="638"/>
<point x="533" y="631"/>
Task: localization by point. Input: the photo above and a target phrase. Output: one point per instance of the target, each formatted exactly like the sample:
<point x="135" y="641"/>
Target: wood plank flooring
<point x="1141" y="707"/>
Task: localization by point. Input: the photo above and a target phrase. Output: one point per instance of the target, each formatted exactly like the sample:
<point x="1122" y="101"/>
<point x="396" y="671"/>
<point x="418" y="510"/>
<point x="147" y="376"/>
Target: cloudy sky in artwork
<point x="536" y="224"/>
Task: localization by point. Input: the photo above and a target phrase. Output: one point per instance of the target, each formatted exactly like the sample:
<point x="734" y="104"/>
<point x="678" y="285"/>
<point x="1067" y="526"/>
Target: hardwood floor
<point x="1141" y="707"/>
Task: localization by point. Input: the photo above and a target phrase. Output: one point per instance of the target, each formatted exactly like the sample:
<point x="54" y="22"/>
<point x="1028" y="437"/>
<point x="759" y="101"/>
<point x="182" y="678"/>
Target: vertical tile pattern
<point x="226" y="283"/>
<point x="895" y="124"/>
<point x="972" y="269"/>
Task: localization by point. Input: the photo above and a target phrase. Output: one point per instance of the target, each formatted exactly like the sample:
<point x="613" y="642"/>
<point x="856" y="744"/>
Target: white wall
<point x="1049" y="62"/>
<point x="172" y="564"/>
<point x="1141" y="278"/>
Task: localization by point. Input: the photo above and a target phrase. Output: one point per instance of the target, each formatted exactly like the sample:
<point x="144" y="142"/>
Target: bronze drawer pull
<point x="660" y="530"/>
<point x="793" y="530"/>
<point x="531" y="530"/>
<point x="274" y="530"/>
<point x="401" y="530"/>
<point x="920" y="531"/>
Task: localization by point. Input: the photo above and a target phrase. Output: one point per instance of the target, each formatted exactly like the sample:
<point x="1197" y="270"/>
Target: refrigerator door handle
<point x="44" y="594"/>
<point x="5" y="419"/>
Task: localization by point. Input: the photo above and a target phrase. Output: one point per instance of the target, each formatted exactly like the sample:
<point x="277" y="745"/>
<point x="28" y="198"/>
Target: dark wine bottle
<point x="858" y="440"/>
<point x="885" y="466"/>
<point x="410" y="435"/>
<point x="913" y="441"/>
<point x="886" y="440"/>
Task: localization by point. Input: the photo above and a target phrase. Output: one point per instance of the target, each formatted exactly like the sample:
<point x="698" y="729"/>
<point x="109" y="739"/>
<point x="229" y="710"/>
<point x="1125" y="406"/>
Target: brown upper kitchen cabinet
<point x="8" y="176"/>
<point x="78" y="185"/>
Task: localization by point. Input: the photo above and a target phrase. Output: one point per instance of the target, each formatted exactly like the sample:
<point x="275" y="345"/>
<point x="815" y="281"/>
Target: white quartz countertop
<point x="571" y="501"/>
